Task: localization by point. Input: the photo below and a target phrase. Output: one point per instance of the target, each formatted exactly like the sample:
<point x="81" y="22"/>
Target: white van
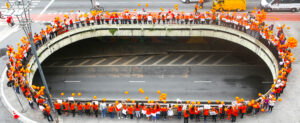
<point x="270" y="5"/>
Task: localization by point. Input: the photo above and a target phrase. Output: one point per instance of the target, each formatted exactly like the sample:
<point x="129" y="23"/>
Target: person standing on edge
<point x="164" y="112"/>
<point x="66" y="108"/>
<point x="79" y="108"/>
<point x="271" y="105"/>
<point x="57" y="107"/>
<point x="103" y="109"/>
<point x="137" y="110"/>
<point x="157" y="111"/>
<point x="130" y="111"/>
<point x="235" y="113"/>
<point x="72" y="108"/>
<point x="221" y="111"/>
<point x="179" y="111"/>
<point x="95" y="109"/>
<point x="205" y="114"/>
<point x="243" y="110"/>
<point x="87" y="109"/>
<point x="186" y="116"/>
<point x="153" y="113"/>
<point x="111" y="110"/>
<point x="197" y="113"/>
<point x="192" y="112"/>
<point x="124" y="111"/>
<point x="118" y="111"/>
<point x="48" y="114"/>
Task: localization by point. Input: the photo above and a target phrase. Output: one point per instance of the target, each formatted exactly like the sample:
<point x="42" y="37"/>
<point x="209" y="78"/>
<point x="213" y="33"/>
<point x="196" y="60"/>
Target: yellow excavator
<point x="229" y="5"/>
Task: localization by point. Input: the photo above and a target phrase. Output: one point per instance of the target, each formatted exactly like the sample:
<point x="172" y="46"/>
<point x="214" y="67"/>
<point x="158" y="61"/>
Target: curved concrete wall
<point x="157" y="30"/>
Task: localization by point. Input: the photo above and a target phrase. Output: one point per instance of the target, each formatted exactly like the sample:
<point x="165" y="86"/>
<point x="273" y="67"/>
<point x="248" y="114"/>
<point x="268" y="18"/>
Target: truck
<point x="229" y="5"/>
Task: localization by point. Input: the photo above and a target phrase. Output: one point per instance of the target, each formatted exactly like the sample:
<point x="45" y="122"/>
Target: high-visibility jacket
<point x="130" y="110"/>
<point x="79" y="107"/>
<point x="57" y="105"/>
<point x="87" y="107"/>
<point x="206" y="112"/>
<point x="72" y="106"/>
<point x="110" y="109"/>
<point x="186" y="115"/>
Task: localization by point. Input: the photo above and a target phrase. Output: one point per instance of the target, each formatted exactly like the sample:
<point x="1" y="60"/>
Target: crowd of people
<point x="250" y="23"/>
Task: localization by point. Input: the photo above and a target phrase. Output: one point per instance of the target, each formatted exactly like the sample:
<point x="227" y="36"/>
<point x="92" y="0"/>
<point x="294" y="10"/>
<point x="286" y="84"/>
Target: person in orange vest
<point x="205" y="114"/>
<point x="130" y="111"/>
<point x="159" y="17"/>
<point x="79" y="108"/>
<point x="118" y="111"/>
<point x="191" y="18"/>
<point x="124" y="110"/>
<point x="186" y="18"/>
<point x="214" y="113"/>
<point x="148" y="112"/>
<point x="87" y="109"/>
<point x="235" y="113"/>
<point x="222" y="112"/>
<point x="46" y="112"/>
<point x="153" y="113"/>
<point x="177" y="18"/>
<point x="137" y="109"/>
<point x="243" y="110"/>
<point x="186" y="115"/>
<point x="157" y="111"/>
<point x="201" y="3"/>
<point x="95" y="109"/>
<point x="197" y="113"/>
<point x="163" y="18"/>
<point x="111" y="110"/>
<point x="72" y="108"/>
<point x="66" y="108"/>
<point x="192" y="112"/>
<point x="164" y="112"/>
<point x="57" y="107"/>
<point x="179" y="111"/>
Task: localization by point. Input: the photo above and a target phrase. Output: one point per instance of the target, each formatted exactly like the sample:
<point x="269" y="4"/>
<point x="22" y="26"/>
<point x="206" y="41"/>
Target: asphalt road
<point x="65" y="6"/>
<point x="109" y="67"/>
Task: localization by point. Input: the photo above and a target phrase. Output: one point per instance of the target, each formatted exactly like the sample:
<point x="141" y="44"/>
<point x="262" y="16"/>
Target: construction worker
<point x="118" y="111"/>
<point x="57" y="107"/>
<point x="48" y="114"/>
<point x="214" y="113"/>
<point x="221" y="111"/>
<point x="235" y="113"/>
<point x="192" y="112"/>
<point x="164" y="112"/>
<point x="197" y="113"/>
<point x="243" y="110"/>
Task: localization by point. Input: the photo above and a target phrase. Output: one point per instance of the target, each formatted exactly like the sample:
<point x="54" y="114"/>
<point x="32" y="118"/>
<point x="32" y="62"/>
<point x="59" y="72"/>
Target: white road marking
<point x="173" y="61"/>
<point x="206" y="59"/>
<point x="191" y="59"/>
<point x="102" y="60"/>
<point x="85" y="61"/>
<point x="137" y="81"/>
<point x="161" y="59"/>
<point x="267" y="82"/>
<point x="115" y="61"/>
<point x="44" y="10"/>
<point x="221" y="59"/>
<point x="202" y="81"/>
<point x="7" y="32"/>
<point x="132" y="59"/>
<point x="146" y="60"/>
<point x="71" y="81"/>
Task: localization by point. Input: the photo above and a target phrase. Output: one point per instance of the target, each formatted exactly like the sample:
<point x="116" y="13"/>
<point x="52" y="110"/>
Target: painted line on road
<point x="72" y="81"/>
<point x="144" y="61"/>
<point x="206" y="59"/>
<point x="44" y="10"/>
<point x="191" y="59"/>
<point x="137" y="81"/>
<point x="173" y="61"/>
<point x="267" y="82"/>
<point x="202" y="81"/>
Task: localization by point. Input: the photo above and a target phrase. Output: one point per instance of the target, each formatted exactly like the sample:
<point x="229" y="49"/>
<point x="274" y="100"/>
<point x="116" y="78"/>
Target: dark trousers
<point x="205" y="117"/>
<point x="87" y="112"/>
<point x="192" y="116"/>
<point x="242" y="115"/>
<point x="233" y="119"/>
<point x="186" y="119"/>
<point x="179" y="115"/>
<point x="270" y="108"/>
<point x="58" y="111"/>
<point x="214" y="117"/>
<point x="73" y="112"/>
<point x="131" y="116"/>
<point x="197" y="117"/>
<point x="49" y="117"/>
<point x="222" y="116"/>
<point x="96" y="112"/>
